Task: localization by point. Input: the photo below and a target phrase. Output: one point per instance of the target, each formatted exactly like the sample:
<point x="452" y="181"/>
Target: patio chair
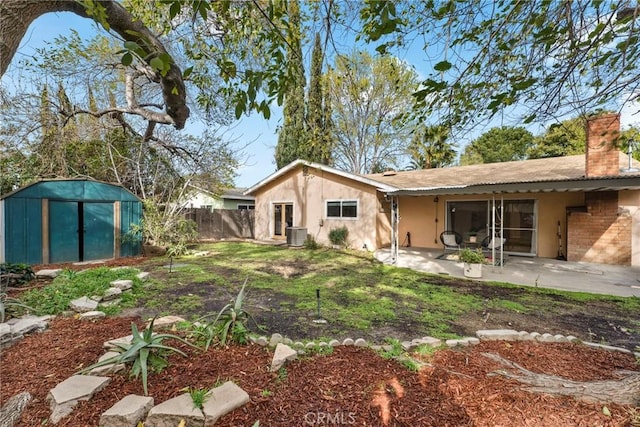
<point x="451" y="241"/>
<point x="489" y="244"/>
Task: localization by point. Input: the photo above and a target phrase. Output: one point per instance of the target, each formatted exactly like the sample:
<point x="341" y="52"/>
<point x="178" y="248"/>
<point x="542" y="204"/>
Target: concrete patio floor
<point x="541" y="272"/>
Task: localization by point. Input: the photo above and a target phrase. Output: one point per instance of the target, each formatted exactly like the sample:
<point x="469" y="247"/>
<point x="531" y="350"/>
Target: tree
<point x="560" y="139"/>
<point x="292" y="138"/>
<point x="368" y="97"/>
<point x="15" y="17"/>
<point x="429" y="148"/>
<point x="502" y="144"/>
<point x="318" y="121"/>
<point x="548" y="58"/>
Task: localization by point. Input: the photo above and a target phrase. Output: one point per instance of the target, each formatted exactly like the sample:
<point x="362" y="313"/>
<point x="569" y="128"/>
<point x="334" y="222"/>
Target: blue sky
<point x="255" y="134"/>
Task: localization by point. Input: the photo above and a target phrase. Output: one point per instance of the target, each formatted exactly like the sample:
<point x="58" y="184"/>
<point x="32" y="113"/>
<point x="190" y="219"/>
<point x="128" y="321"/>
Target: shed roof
<point x="73" y="189"/>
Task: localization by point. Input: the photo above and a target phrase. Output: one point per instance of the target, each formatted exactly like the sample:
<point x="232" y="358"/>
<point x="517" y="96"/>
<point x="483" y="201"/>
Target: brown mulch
<point x="352" y="386"/>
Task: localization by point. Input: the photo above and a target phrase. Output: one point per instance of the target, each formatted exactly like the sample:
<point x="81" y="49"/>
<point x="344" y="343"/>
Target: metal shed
<point x="68" y="220"/>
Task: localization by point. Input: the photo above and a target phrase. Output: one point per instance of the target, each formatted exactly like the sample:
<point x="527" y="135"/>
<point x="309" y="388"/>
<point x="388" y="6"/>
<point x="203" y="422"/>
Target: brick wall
<point x="602" y="154"/>
<point x="602" y="234"/>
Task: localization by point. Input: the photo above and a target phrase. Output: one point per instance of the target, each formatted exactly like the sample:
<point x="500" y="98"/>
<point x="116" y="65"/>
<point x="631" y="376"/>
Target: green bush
<point x="472" y="256"/>
<point x="338" y="236"/>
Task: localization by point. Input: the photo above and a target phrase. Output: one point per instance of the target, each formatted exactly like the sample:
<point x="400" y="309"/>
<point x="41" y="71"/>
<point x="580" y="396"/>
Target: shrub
<point x="338" y="236"/>
<point x="472" y="256"/>
<point x="16" y="274"/>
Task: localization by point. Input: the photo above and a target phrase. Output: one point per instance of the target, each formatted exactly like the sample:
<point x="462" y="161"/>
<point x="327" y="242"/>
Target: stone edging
<point x="481" y="335"/>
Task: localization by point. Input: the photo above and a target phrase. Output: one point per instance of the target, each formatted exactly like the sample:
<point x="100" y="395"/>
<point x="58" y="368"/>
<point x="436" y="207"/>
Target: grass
<point x="55" y="297"/>
<point x="356" y="291"/>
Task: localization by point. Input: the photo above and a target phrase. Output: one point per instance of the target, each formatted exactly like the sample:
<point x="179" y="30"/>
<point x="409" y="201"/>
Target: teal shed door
<point x="98" y="237"/>
<point x="80" y="231"/>
<point x="64" y="239"/>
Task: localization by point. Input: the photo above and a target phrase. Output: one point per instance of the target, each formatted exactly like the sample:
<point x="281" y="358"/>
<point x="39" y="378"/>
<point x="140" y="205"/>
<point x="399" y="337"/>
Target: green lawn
<point x="357" y="293"/>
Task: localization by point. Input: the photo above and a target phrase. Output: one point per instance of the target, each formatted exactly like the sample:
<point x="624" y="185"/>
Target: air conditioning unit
<point x="296" y="236"/>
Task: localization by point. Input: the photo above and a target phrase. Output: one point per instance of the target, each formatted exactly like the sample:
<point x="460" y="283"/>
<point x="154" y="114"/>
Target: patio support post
<point x="395" y="219"/>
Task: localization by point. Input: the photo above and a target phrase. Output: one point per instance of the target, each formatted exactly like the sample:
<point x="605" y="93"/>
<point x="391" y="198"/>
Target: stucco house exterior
<point x="580" y="208"/>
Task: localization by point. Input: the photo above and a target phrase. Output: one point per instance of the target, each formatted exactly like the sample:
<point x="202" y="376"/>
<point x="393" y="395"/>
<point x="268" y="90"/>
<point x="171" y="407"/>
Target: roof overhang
<point x="293" y="165"/>
<point x="576" y="185"/>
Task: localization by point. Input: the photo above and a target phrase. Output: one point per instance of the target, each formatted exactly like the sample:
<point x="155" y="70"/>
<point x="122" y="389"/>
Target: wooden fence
<point x="223" y="223"/>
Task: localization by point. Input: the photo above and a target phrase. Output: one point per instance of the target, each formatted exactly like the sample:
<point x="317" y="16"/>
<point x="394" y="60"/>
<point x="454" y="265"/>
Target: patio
<point x="540" y="272"/>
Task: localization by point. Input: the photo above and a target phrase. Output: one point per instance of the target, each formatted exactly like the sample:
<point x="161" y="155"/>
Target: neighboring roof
<point x="548" y="174"/>
<point x="236" y="193"/>
<point x="368" y="180"/>
<point x="232" y="193"/>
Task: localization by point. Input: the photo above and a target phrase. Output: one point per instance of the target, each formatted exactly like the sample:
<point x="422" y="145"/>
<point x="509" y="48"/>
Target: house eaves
<point x="380" y="186"/>
<point x="612" y="183"/>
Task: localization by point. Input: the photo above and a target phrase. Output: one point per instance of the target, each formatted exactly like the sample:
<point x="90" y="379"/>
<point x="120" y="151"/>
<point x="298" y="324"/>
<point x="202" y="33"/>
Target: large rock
<point x="28" y="324"/>
<point x="48" y="273"/>
<point x="83" y="304"/>
<point x="123" y="285"/>
<point x="222" y="400"/>
<point x="127" y="412"/>
<point x="65" y="396"/>
<point x="111" y="294"/>
<point x="172" y="411"/>
<point x="280" y="356"/>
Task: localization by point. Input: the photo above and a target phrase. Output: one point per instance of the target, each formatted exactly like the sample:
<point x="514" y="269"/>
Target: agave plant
<point x="145" y="349"/>
<point x="230" y="323"/>
<point x="7" y="303"/>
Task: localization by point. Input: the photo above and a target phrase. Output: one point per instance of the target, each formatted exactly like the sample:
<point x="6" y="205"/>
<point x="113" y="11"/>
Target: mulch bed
<point x="352" y="386"/>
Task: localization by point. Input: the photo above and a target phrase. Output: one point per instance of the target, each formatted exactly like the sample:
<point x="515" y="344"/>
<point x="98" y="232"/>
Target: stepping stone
<point x="143" y="275"/>
<point x="28" y="324"/>
<point x="166" y="321"/>
<point x="498" y="335"/>
<point x="65" y="396"/>
<point x="172" y="411"/>
<point x="82" y="305"/>
<point x="92" y="315"/>
<point x="112" y="368"/>
<point x="48" y="273"/>
<point x="222" y="400"/>
<point x="114" y="342"/>
<point x="280" y="356"/>
<point x="111" y="294"/>
<point x="123" y="285"/>
<point x="128" y="412"/>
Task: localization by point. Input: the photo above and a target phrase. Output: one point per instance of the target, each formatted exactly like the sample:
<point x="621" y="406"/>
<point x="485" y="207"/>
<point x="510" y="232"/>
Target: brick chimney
<point x="602" y="154"/>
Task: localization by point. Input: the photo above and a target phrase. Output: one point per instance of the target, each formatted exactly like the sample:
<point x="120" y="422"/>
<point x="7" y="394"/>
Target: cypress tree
<point x="292" y="132"/>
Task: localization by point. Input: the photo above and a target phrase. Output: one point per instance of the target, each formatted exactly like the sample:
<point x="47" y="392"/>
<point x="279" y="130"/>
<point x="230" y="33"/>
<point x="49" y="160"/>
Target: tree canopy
<point x="501" y="144"/>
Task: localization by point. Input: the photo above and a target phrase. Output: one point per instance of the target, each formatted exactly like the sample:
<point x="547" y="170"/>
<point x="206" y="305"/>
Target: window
<point x="342" y="209"/>
<point x="246" y="207"/>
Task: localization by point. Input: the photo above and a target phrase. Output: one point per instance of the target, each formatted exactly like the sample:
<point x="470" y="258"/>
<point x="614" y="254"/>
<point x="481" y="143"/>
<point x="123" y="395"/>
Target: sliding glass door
<point x="473" y="220"/>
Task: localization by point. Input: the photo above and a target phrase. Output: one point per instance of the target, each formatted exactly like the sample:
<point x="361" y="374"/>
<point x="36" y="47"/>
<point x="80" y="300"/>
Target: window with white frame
<point x="243" y="207"/>
<point x="342" y="209"/>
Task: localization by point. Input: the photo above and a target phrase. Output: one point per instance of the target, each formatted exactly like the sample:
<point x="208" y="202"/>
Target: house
<point x="68" y="220"/>
<point x="582" y="208"/>
<point x="233" y="198"/>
